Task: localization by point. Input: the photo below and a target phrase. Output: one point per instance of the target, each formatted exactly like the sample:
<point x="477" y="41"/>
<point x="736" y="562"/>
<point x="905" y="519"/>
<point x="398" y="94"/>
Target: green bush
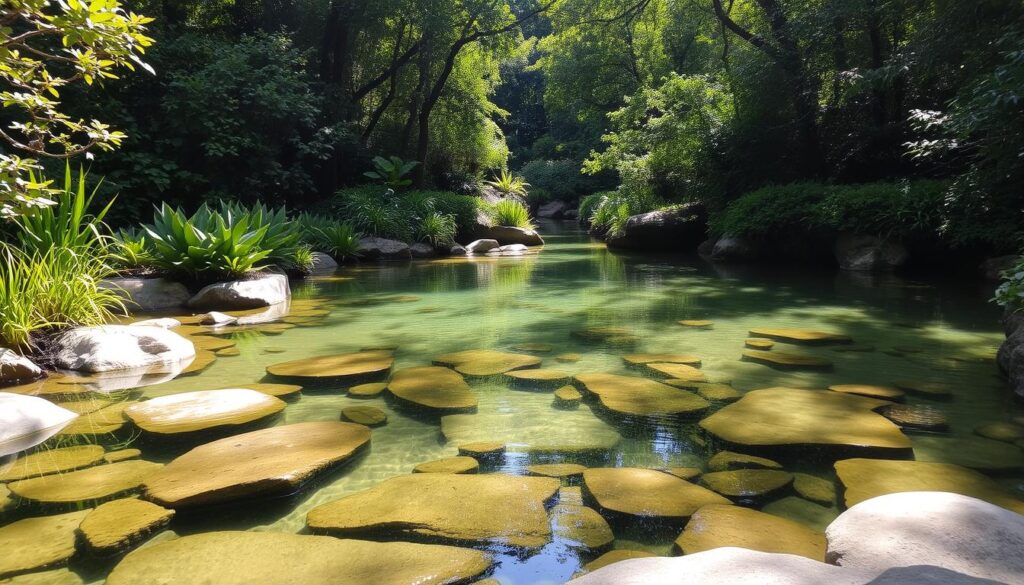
<point x="614" y="208"/>
<point x="772" y="209"/>
<point x="590" y="203"/>
<point x="1010" y="293"/>
<point x="510" y="212"/>
<point x="68" y="224"/>
<point x="556" y="179"/>
<point x="338" y="239"/>
<point x="131" y="250"/>
<point x="375" y="211"/>
<point x="438" y="229"/>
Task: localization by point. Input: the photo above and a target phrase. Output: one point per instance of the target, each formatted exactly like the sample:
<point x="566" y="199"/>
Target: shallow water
<point x="921" y="330"/>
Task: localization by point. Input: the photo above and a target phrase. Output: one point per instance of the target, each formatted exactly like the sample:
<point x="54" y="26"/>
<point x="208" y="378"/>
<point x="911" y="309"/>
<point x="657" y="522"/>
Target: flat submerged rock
<point x="86" y="485"/>
<point x="717" y="526"/>
<point x="486" y="362"/>
<point x="559" y="431"/>
<point x="32" y="544"/>
<point x="433" y="387"/>
<point x="245" y="558"/>
<point x="341" y="367"/>
<point x="787" y="360"/>
<point x="800" y="336"/>
<point x="639" y="359"/>
<point x="631" y="395"/>
<point x="191" y="412"/>
<point x="471" y="509"/>
<point x="264" y="463"/>
<point x="53" y="461"/>
<point x="118" y="525"/>
<point x="646" y="493"/>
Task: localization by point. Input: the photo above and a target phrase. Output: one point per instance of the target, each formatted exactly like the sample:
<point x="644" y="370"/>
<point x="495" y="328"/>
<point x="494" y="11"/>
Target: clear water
<point x="945" y="331"/>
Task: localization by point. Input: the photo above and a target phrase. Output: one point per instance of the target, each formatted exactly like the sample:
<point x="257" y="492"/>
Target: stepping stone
<point x="795" y="421"/>
<point x="813" y="488"/>
<point x="696" y="323"/>
<point x="336" y="368"/>
<point x="245" y="558"/>
<point x="801" y="336"/>
<point x="460" y="464"/>
<point x="364" y="415"/>
<point x="468" y="509"/>
<point x="371" y="390"/>
<point x="122" y="455"/>
<point x="787" y="361"/>
<point x="209" y="343"/>
<point x="38" y="543"/>
<point x="570" y="495"/>
<point x="720" y="526"/>
<point x="713" y="391"/>
<point x="88" y="485"/>
<point x="871" y="391"/>
<point x="631" y="395"/>
<point x="264" y="463"/>
<point x="759" y="343"/>
<point x="203" y="360"/>
<point x="978" y="453"/>
<point x="731" y="461"/>
<point x="646" y="493"/>
<point x="559" y="470"/>
<point x="1000" y="431"/>
<point x="568" y="396"/>
<point x="534" y="347"/>
<point x="863" y="479"/>
<point x="639" y="359"/>
<point x="560" y="431"/>
<point x="687" y="473"/>
<point x="582" y="527"/>
<point x="53" y="577"/>
<point x="483" y="450"/>
<point x="915" y="416"/>
<point x="282" y="391"/>
<point x="811" y="515"/>
<point x="934" y="390"/>
<point x="607" y="335"/>
<point x="615" y="556"/>
<point x="567" y="358"/>
<point x="539" y="378"/>
<point x="745" y="484"/>
<point x="433" y="387"/>
<point x="484" y="362"/>
<point x="104" y="421"/>
<point x="677" y="371"/>
<point x="191" y="412"/>
<point x="228" y="352"/>
<point x="117" y="526"/>
<point x="50" y="461"/>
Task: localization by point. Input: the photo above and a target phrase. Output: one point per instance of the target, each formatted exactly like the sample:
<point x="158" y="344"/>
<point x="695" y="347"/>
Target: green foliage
<point x="338" y="239"/>
<point x="131" y="250"/>
<point x="556" y="179"/>
<point x="771" y="209"/>
<point x="392" y="171"/>
<point x="611" y="210"/>
<point x="1010" y="293"/>
<point x="302" y="258"/>
<point x="437" y="229"/>
<point x="401" y="215"/>
<point x="68" y="224"/>
<point x="510" y="212"/>
<point x="509" y="184"/>
<point x="590" y="203"/>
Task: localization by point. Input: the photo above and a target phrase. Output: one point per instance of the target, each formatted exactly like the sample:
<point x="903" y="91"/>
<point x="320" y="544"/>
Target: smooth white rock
<point x="122" y="348"/>
<point x="481" y="246"/>
<point x="240" y="295"/>
<point x="149" y="294"/>
<point x="163" y="323"/>
<point x="26" y="421"/>
<point x="216" y="319"/>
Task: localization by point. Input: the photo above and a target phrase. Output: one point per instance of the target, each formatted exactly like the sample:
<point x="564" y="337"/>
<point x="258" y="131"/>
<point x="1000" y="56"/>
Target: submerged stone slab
<point x="364" y="415"/>
<point x="646" y="493"/>
<point x="370" y="390"/>
<point x="433" y="387"/>
<point x="814" y="516"/>
<point x="190" y="412"/>
<point x="117" y="526"/>
<point x="759" y="343"/>
<point x="713" y="391"/>
<point x="486" y="362"/>
<point x="460" y="464"/>
<point x="915" y="416"/>
<point x="264" y="463"/>
<point x="558" y="470"/>
<point x="619" y="336"/>
<point x="568" y="396"/>
<point x="341" y="367"/>
<point x="50" y="461"/>
<point x="863" y="479"/>
<point x="870" y="390"/>
<point x="639" y="359"/>
<point x="813" y="488"/>
<point x="697" y="323"/>
<point x="721" y="526"/>
<point x="801" y="336"/>
<point x="32" y="544"/>
<point x="483" y="450"/>
<point x="935" y="390"/>
<point x="787" y="360"/>
<point x="471" y="509"/>
<point x="539" y="378"/>
<point x="559" y="431"/>
<point x="53" y="577"/>
<point x="582" y="527"/>
<point x="677" y="371"/>
<point x="282" y="391"/>
<point x="1000" y="431"/>
<point x="829" y="424"/>
<point x="984" y="455"/>
<point x="632" y="395"/>
<point x="106" y="420"/>
<point x="742" y="484"/>
<point x="86" y="485"/>
<point x="246" y="558"/>
<point x="729" y="461"/>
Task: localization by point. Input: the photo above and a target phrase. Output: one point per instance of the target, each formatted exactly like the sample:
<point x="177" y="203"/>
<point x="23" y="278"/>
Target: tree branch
<point x="746" y="35"/>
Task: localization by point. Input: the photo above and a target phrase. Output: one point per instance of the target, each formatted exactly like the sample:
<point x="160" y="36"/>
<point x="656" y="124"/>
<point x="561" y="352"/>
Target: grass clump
<point x="509" y="212"/>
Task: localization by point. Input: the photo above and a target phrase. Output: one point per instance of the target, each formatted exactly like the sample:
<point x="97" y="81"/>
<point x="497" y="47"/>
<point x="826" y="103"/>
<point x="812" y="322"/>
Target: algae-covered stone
<point x="863" y="479"/>
<point x="915" y="416"/>
<point x="567" y="358"/>
<point x="632" y="395"/>
<point x="759" y="343"/>
<point x="801" y="336"/>
<point x="62" y="576"/>
<point x="559" y="470"/>
<point x="719" y="526"/>
<point x="190" y="412"/>
<point x="870" y="390"/>
<point x="1001" y="431"/>
<point x="246" y="558"/>
<point x="122" y="455"/>
<point x="646" y="493"/>
<point x="264" y="463"/>
<point x="697" y="323"/>
<point x="639" y="359"/>
<point x="713" y="391"/>
<point x="619" y="336"/>
<point x="471" y="509"/>
<point x="813" y="488"/>
<point x="50" y="461"/>
<point x="282" y="391"/>
<point x="32" y="544"/>
<point x="797" y="509"/>
<point x="744" y="484"/>
<point x="460" y="464"/>
<point x="486" y="362"/>
<point x="117" y="526"/>
<point x="483" y="450"/>
<point x="91" y="484"/>
<point x="687" y="473"/>
<point x="346" y="366"/>
<point x="567" y="396"/>
<point x="828" y="423"/>
<point x="371" y="390"/>
<point x="978" y="453"/>
<point x="539" y="378"/>
<point x="364" y="415"/>
<point x="581" y="527"/>
<point x="787" y="360"/>
<point x="935" y="390"/>
<point x="615" y="556"/>
<point x="433" y="387"/>
<point x="568" y="432"/>
<point x="677" y="371"/>
<point x="729" y="461"/>
<point x="104" y="421"/>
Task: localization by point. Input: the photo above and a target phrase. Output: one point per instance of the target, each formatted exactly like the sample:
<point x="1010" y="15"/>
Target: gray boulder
<point x="457" y="250"/>
<point x="993" y="268"/>
<point x="122" y="347"/>
<point x="680" y="229"/>
<point x="481" y="246"/>
<point x="1011" y="353"/>
<point x="506" y="234"/>
<point x="707" y="247"/>
<point x="17" y="369"/>
<point x="149" y="294"/>
<point x="571" y="214"/>
<point x="217" y="319"/>
<point x="553" y="210"/>
<point x="422" y="250"/>
<point x="383" y="249"/>
<point x="323" y="262"/>
<point x="870" y="253"/>
<point x="730" y="248"/>
<point x="240" y="295"/>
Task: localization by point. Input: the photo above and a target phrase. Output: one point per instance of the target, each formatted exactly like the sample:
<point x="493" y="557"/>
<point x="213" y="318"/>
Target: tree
<point x="46" y="46"/>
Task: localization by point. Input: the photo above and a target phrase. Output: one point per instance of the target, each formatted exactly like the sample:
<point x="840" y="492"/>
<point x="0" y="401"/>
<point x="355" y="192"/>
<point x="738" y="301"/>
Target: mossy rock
<point x="460" y="464"/>
<point x="870" y="390"/>
<point x="616" y="556"/>
<point x="534" y="347"/>
<point x="483" y="450"/>
<point x="568" y="358"/>
<point x="341" y="367"/>
<point x="616" y="336"/>
<point x="915" y="416"/>
<point x="245" y="558"/>
<point x="228" y="352"/>
<point x="433" y="387"/>
<point x="687" y="473"/>
<point x="1000" y="431"/>
<point x="630" y="395"/>
<point x="562" y="432"/>
<point x="744" y="484"/>
<point x="731" y="461"/>
<point x="365" y="415"/>
<point x="203" y="360"/>
<point x="581" y="527"/>
<point x="282" y="391"/>
<point x="934" y="390"/>
<point x="53" y="577"/>
<point x="713" y="391"/>
<point x="264" y="463"/>
<point x="863" y="479"/>
<point x="718" y="526"/>
<point x="985" y="455"/>
<point x="759" y="343"/>
<point x="38" y="543"/>
<point x="807" y="422"/>
<point x="813" y="488"/>
<point x="568" y="396"/>
<point x="801" y="336"/>
<point x="677" y="371"/>
<point x="639" y="359"/>
<point x="371" y="390"/>
<point x="469" y="509"/>
<point x="117" y="526"/>
<point x="482" y="363"/>
<point x="50" y="461"/>
<point x="122" y="455"/>
<point x="787" y="360"/>
<point x="814" y="516"/>
<point x="92" y="484"/>
<point x="104" y="421"/>
<point x="191" y="412"/>
<point x="646" y="493"/>
<point x="697" y="323"/>
<point x="539" y="378"/>
<point x="559" y="470"/>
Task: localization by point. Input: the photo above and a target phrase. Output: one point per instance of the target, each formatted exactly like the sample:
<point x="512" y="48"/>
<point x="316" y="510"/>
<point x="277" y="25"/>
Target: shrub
<point x="590" y="203"/>
<point x="509" y="184"/>
<point x="1010" y="293"/>
<point x="340" y="240"/>
<point x="67" y="224"/>
<point x="614" y="208"/>
<point x="376" y="212"/>
<point x="556" y="179"/>
<point x="131" y="250"/>
<point x="771" y="209"/>
<point x="438" y="229"/>
<point x="392" y="171"/>
<point x="511" y="213"/>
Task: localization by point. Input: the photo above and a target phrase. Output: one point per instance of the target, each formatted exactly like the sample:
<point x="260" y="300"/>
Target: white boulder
<point x="482" y="246"/>
<point x="122" y="347"/>
<point x="149" y="294"/>
<point x="162" y="322"/>
<point x="240" y="295"/>
<point x="26" y="421"/>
